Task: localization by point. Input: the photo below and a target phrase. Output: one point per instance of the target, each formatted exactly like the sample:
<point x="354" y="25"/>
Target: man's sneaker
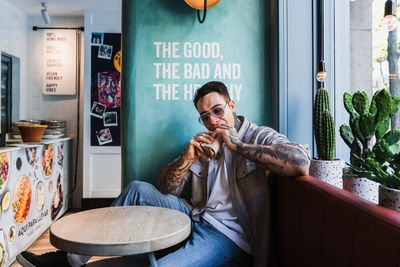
<point x="50" y="259"/>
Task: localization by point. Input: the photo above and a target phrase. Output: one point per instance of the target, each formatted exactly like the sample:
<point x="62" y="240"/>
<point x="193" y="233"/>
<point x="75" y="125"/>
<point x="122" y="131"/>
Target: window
<point x="373" y="64"/>
<point x="5" y="93"/>
<point x="374" y="49"/>
<point x="384" y="49"/>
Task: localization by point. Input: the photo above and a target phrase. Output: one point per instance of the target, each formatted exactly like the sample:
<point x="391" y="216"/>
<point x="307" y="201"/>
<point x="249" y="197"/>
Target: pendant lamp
<point x="202" y="5"/>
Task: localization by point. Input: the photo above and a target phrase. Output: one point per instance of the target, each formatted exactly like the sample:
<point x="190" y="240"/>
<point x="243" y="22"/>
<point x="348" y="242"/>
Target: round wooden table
<point x="120" y="231"/>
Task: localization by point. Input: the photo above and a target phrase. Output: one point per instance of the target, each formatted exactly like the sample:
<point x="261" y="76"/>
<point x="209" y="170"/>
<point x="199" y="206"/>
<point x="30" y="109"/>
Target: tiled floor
<point x="42" y="245"/>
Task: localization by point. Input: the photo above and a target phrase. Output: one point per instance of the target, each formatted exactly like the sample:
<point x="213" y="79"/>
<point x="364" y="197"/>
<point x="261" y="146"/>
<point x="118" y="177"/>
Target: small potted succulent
<point x="325" y="167"/>
<point x="374" y="154"/>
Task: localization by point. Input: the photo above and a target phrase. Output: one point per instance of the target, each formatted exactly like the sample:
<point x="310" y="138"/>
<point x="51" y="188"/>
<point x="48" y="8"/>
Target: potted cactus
<point x="374" y="149"/>
<point x="325" y="167"/>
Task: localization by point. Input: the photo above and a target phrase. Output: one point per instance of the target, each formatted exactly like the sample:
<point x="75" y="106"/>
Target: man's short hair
<point x="211" y="87"/>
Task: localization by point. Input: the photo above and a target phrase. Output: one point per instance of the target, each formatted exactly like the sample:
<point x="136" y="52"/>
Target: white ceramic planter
<point x="389" y="197"/>
<point x="329" y="171"/>
<point x="362" y="187"/>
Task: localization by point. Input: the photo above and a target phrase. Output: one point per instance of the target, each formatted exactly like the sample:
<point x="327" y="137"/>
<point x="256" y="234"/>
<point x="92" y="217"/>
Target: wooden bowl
<point x="31" y="133"/>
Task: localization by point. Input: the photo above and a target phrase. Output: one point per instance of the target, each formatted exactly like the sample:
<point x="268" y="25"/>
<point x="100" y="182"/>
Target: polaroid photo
<point x="97" y="38"/>
<point x="110" y="118"/>
<point x="104" y="136"/>
<point x="105" y="51"/>
<point x="98" y="110"/>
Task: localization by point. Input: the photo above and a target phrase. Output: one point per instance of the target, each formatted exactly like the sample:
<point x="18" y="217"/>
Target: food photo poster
<point x="105" y="89"/>
<point x="31" y="194"/>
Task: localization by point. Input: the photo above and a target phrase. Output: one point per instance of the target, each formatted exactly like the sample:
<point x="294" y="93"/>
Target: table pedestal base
<point x="152" y="259"/>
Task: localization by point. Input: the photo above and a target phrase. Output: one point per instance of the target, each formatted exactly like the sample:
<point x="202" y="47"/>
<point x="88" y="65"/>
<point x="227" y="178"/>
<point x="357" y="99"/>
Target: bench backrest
<point x="316" y="224"/>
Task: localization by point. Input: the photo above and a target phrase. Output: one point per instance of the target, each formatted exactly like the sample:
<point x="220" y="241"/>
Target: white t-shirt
<point x="219" y="211"/>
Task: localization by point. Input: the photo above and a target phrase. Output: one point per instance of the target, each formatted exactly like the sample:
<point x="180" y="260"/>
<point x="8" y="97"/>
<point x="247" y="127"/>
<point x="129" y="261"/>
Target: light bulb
<point x="391" y="22"/>
<point x="321" y="76"/>
<point x="389" y="17"/>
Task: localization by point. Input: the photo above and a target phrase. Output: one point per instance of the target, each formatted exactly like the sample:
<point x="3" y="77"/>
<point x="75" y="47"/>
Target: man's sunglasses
<point x="216" y="112"/>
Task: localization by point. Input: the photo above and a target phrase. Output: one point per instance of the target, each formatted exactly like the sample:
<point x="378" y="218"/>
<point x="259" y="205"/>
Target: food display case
<point x="35" y="184"/>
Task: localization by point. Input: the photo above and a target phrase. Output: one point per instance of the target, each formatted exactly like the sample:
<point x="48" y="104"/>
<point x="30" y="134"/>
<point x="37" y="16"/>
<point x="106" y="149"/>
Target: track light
<point x="45" y="14"/>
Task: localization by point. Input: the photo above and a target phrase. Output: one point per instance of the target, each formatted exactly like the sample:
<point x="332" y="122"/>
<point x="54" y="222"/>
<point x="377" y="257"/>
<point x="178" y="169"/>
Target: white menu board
<point x="59" y="54"/>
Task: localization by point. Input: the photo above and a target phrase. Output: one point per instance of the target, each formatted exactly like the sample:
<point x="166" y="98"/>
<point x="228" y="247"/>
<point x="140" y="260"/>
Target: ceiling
<point x="60" y="7"/>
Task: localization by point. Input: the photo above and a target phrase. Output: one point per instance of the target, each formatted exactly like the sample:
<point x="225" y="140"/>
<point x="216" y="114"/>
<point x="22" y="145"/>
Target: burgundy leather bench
<point x="316" y="224"/>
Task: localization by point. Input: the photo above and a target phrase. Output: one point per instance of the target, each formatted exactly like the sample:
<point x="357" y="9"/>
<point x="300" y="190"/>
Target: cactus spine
<point x="324" y="128"/>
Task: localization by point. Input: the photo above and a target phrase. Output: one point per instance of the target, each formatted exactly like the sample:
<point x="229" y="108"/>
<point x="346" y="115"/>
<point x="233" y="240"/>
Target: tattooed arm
<point x="170" y="177"/>
<point x="282" y="159"/>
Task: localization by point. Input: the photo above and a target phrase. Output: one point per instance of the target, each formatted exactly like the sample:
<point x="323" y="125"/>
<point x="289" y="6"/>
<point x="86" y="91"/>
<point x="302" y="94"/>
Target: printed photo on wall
<point x="104" y="136"/>
<point x="98" y="110"/>
<point x="97" y="38"/>
<point x="105" y="51"/>
<point x="110" y="118"/>
<point x="108" y="89"/>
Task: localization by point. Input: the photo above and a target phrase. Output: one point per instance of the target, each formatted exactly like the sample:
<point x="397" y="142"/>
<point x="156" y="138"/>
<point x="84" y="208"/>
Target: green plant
<point x="324" y="129"/>
<point x="374" y="150"/>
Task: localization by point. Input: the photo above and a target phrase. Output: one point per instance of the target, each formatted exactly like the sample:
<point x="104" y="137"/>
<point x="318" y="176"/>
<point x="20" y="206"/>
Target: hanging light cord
<point x="322" y="21"/>
<point x="201" y="20"/>
<point x="321" y="36"/>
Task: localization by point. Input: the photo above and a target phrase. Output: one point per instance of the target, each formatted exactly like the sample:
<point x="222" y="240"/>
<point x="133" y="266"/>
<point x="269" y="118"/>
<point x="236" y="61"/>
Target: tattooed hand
<point x="283" y="159"/>
<point x="229" y="135"/>
<point x="194" y="149"/>
<point x="171" y="176"/>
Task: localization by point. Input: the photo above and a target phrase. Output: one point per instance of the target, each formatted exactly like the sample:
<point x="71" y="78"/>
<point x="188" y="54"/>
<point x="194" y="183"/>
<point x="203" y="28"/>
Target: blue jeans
<point x="205" y="246"/>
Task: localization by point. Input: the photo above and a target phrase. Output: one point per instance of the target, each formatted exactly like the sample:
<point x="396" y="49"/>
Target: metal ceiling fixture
<point x="45" y="14"/>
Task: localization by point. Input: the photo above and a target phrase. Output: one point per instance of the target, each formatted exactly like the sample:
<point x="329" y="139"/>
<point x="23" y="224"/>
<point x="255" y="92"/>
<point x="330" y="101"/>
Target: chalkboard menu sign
<point x="105" y="89"/>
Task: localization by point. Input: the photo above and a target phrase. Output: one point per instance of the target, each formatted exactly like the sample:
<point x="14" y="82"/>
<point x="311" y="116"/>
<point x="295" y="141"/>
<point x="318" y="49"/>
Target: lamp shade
<point x="390" y="8"/>
<point x="199" y="4"/>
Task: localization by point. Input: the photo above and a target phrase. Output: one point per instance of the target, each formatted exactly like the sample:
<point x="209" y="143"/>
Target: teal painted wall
<point x="156" y="125"/>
